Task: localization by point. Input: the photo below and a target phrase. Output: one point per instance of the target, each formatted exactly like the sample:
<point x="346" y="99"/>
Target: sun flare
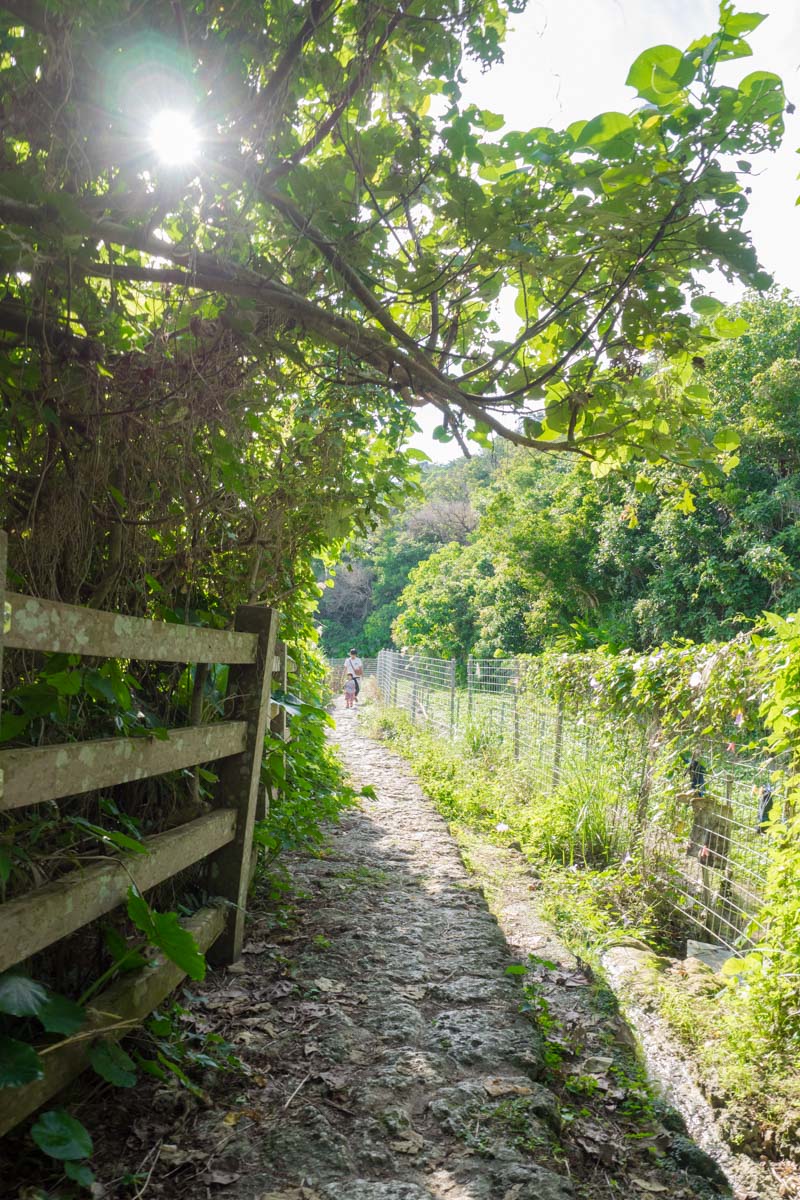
<point x="174" y="137"/>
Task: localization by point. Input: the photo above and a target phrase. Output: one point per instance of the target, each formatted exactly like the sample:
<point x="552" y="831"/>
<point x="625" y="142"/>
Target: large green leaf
<point x="19" y="1063"/>
<point x="653" y="73"/>
<point x="603" y="128"/>
<point x="61" y="1136"/>
<point x="164" y="931"/>
<point x="112" y="1063"/>
<point x="21" y="996"/>
<point x="60" y="1015"/>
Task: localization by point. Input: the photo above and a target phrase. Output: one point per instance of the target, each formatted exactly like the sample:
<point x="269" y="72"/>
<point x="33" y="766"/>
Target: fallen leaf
<point x="220" y="1178"/>
<point x="177" y="1156"/>
<point x="415" y="991"/>
<point x="411" y="1142"/>
<point x="303" y="1193"/>
<point x="237" y="968"/>
<point x="328" y="985"/>
<point x="505" y="1087"/>
<point x="649" y="1185"/>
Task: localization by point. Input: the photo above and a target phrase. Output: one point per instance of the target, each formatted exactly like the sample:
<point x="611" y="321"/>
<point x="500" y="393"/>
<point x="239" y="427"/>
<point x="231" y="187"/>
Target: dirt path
<point x="410" y="1072"/>
<point x="386" y="1054"/>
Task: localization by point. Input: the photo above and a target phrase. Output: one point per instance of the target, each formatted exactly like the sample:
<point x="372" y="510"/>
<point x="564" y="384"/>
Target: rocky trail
<point x="388" y="1053"/>
<point x="402" y="1066"/>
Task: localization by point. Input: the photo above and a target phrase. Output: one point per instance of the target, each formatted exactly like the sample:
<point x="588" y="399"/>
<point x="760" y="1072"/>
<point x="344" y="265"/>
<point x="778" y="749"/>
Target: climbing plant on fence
<point x="670" y="752"/>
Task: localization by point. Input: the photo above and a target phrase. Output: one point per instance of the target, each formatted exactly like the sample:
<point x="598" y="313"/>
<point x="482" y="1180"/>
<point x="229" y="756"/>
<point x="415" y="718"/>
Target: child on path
<point x="349" y="692"/>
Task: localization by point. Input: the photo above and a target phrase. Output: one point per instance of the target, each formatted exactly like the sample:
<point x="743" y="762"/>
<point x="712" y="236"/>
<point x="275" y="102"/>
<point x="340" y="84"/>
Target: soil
<point x="388" y="1054"/>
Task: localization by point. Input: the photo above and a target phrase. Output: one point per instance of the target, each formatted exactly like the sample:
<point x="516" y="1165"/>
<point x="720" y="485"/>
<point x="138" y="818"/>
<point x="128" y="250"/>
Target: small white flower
<point x="695" y="679"/>
<point x="501" y="827"/>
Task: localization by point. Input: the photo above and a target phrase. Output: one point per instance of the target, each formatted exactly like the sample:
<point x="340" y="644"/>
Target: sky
<point x="568" y="59"/>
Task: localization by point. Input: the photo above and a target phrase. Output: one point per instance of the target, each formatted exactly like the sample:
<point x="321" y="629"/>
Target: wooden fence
<point x="223" y="838"/>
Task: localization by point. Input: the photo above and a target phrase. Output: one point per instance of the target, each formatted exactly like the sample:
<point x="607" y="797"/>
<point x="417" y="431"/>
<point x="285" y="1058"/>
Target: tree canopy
<point x="348" y="213"/>
<point x="555" y="554"/>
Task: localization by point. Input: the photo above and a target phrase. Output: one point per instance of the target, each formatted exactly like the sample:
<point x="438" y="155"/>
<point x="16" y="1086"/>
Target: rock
<point x="597" y="1065"/>
<point x="312" y="1141"/>
<point x="490" y="1037"/>
<point x="400" y="1024"/>
<point x="532" y="1182"/>
<point x="511" y="1107"/>
<point x="689" y="1156"/>
<point x="362" y="1189"/>
<point x="709" y="953"/>
<point x="471" y="989"/>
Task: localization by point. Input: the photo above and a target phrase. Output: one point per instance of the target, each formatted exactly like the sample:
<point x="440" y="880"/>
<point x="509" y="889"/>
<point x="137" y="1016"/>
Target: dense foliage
<point x="548" y="553"/>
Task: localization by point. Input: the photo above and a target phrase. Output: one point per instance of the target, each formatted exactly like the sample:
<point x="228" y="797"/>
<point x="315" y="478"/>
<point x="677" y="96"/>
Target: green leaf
<point x="738" y="23"/>
<point x="163" y="931"/>
<point x="706" y="306"/>
<point x="12" y="726"/>
<point x="80" y="1173"/>
<point x="6" y="861"/>
<point x="19" y="1063"/>
<point x="516" y="969"/>
<point x="603" y="128"/>
<point x="66" y="683"/>
<point x="111" y="1062"/>
<point x="61" y="1136"/>
<point x="440" y="434"/>
<point x="727" y="439"/>
<point x="126" y="958"/>
<point x="727" y="328"/>
<point x="21" y="996"/>
<point x="652" y="74"/>
<point x="60" y="1015"/>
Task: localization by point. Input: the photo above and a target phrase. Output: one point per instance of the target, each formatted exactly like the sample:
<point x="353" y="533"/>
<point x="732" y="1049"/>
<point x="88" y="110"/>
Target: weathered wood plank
<point x="239" y="776"/>
<point x="69" y="629"/>
<point x="40" y="773"/>
<point x="31" y="922"/>
<point x="129" y="1000"/>
<point x="3" y="552"/>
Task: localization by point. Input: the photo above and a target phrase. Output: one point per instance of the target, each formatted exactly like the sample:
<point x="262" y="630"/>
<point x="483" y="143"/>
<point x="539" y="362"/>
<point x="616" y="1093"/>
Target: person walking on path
<point x="354" y="669"/>
<point x="349" y="691"/>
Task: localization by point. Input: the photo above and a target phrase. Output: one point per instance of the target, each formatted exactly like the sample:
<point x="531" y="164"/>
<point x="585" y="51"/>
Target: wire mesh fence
<point x="696" y="814"/>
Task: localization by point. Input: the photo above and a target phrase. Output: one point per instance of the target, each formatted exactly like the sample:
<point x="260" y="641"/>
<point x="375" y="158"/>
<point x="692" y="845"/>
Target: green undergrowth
<point x="754" y="1085"/>
<point x="598" y="892"/>
<point x="594" y="883"/>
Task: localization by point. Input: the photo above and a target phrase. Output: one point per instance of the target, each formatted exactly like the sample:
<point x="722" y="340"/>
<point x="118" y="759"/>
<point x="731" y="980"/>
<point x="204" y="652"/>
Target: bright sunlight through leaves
<point x="174" y="137"/>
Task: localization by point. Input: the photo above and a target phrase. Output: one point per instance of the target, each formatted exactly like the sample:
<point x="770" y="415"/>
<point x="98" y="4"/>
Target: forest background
<point x="510" y="553"/>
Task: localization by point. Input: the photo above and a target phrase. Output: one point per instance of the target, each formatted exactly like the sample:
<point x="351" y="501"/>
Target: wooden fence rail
<point x="223" y="839"/>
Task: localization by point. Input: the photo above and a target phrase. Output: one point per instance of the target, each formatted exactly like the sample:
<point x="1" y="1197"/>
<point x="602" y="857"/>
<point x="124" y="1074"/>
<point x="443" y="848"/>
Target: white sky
<point x="568" y="59"/>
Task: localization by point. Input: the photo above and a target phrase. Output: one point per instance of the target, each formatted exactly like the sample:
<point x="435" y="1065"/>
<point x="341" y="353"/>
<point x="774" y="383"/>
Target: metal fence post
<point x="515" y="681"/>
<point x="452" y="697"/>
<point x="239" y="775"/>
<point x="469" y="688"/>
<point x="559" y="738"/>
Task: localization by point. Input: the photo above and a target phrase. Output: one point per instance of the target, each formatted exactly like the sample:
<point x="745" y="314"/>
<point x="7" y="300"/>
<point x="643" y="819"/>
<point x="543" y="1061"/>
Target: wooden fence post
<point x="3" y="551"/>
<point x="278" y="725"/>
<point x="239" y="775"/>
